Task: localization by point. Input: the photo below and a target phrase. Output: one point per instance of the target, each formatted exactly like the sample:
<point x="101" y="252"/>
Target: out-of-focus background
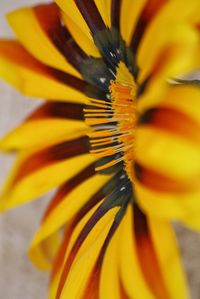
<point x="19" y="279"/>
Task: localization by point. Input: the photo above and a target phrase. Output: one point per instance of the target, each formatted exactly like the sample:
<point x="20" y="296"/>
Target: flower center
<point x="112" y="124"/>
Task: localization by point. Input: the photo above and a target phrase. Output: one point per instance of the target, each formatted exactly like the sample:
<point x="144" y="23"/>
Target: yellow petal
<point x="29" y="31"/>
<point x="168" y="153"/>
<point x="130" y="11"/>
<point x="40" y="181"/>
<point x="184" y="98"/>
<point x="31" y="77"/>
<point x="43" y="256"/>
<point x="192" y="221"/>
<point x="169" y="31"/>
<point x="68" y="208"/>
<point x="169" y="206"/>
<point x="173" y="54"/>
<point x="130" y="270"/>
<point x="86" y="258"/>
<point x="70" y="8"/>
<point x="80" y="37"/>
<point x="58" y="262"/>
<point x="36" y="133"/>
<point x="110" y="281"/>
<point x="104" y="10"/>
<point x="166" y="248"/>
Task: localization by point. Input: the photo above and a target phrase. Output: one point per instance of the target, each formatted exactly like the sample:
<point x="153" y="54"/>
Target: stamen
<point x="113" y="124"/>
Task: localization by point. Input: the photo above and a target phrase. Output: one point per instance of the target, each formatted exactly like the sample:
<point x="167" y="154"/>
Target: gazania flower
<point x="119" y="137"/>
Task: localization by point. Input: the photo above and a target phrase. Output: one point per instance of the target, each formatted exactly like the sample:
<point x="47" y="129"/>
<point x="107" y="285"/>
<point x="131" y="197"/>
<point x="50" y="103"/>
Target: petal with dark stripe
<point x="63" y="120"/>
<point x="65" y="206"/>
<point x="36" y="172"/>
<point x="33" y="27"/>
<point x="33" y="78"/>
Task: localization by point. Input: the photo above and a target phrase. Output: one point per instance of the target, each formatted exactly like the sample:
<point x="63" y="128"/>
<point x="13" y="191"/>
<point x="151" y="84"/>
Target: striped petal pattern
<point x="118" y="137"/>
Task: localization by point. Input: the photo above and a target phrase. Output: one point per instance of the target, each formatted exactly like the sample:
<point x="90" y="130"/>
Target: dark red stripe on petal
<point x="12" y="50"/>
<point x="92" y="288"/>
<point x="150" y="10"/>
<point x="162" y="183"/>
<point x="147" y="256"/>
<point x="49" y="18"/>
<point x="82" y="212"/>
<point x="115" y="13"/>
<point x="51" y="155"/>
<point x="68" y="79"/>
<point x="90" y="13"/>
<point x="58" y="110"/>
<point x="107" y="204"/>
<point x="123" y="292"/>
<point x="68" y="187"/>
<point x="16" y="53"/>
<point x="99" y="213"/>
<point x="173" y="121"/>
<point x="58" y="262"/>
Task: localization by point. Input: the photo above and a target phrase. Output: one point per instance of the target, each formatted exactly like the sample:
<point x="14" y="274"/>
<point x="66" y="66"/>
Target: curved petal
<point x="36" y="133"/>
<point x="130" y="11"/>
<point x="84" y="42"/>
<point x="184" y="98"/>
<point x="166" y="247"/>
<point x="70" y="8"/>
<point x="150" y="264"/>
<point x="167" y="205"/>
<point x="86" y="257"/>
<point x="26" y="24"/>
<point x="174" y="40"/>
<point x="130" y="271"/>
<point x="68" y="208"/>
<point x="109" y="280"/>
<point x="192" y="222"/>
<point x="44" y="255"/>
<point x="32" y="78"/>
<point x="180" y="97"/>
<point x="168" y="153"/>
<point x="38" y="171"/>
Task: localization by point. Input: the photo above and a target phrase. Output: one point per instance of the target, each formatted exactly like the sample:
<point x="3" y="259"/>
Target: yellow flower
<point x="118" y="136"/>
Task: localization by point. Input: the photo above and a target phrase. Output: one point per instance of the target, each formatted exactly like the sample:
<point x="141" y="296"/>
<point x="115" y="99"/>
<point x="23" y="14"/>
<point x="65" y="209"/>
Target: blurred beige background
<point x="18" y="278"/>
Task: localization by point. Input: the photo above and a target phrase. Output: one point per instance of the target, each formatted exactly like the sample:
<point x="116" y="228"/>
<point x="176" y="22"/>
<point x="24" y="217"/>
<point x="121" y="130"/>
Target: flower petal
<point x="84" y="42"/>
<point x="50" y="117"/>
<point x="130" y="270"/>
<point x="109" y="281"/>
<point x="173" y="39"/>
<point x="86" y="257"/>
<point x="168" y="153"/>
<point x="130" y="11"/>
<point x="150" y="264"/>
<point x="44" y="255"/>
<point x="32" y="78"/>
<point x="38" y="171"/>
<point x="27" y="26"/>
<point x="168" y="254"/>
<point x="70" y="7"/>
<point x="168" y="205"/>
<point x="67" y="209"/>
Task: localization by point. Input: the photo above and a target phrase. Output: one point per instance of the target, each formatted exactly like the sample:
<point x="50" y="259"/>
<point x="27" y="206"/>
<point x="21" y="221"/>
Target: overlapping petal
<point x="35" y="79"/>
<point x="36" y="28"/>
<point x="120" y="140"/>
